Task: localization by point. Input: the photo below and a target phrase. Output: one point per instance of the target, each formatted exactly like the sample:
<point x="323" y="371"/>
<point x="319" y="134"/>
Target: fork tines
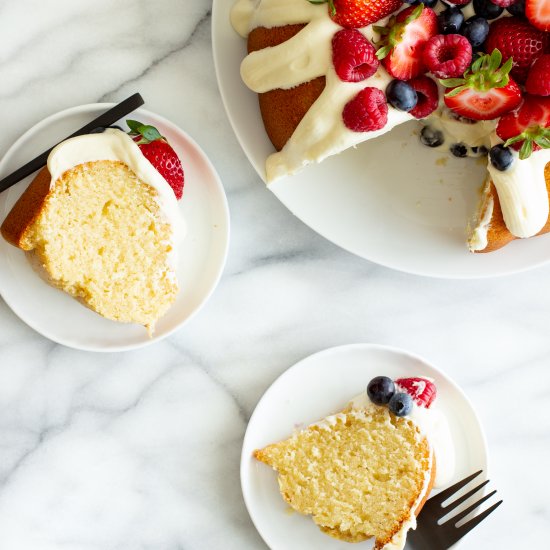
<point x="454" y="520"/>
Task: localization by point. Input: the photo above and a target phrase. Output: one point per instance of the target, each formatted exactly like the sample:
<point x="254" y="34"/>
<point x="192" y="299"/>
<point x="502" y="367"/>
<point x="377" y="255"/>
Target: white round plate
<point x="392" y="200"/>
<point x="202" y="254"/>
<point x="323" y="384"/>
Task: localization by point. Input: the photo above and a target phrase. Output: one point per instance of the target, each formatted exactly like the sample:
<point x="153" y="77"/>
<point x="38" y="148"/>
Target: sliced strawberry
<point x="538" y="13"/>
<point x="404" y="39"/>
<point x="353" y="14"/>
<point x="156" y="149"/>
<point x="528" y="128"/>
<point x="422" y="390"/>
<point x="486" y="91"/>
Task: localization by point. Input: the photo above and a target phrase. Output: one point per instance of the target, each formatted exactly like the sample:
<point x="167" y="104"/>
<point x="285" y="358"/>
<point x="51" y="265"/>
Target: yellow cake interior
<point x="100" y="237"/>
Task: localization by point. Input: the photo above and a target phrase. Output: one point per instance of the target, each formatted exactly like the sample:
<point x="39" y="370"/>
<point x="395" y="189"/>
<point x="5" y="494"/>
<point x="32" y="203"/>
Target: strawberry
<point x="528" y="128"/>
<point x="538" y="13"/>
<point x="486" y="91"/>
<point x="517" y="38"/>
<point x="538" y="79"/>
<point x="159" y="153"/>
<point x="422" y="390"/>
<point x="353" y="56"/>
<point x="353" y="14"/>
<point x="403" y="41"/>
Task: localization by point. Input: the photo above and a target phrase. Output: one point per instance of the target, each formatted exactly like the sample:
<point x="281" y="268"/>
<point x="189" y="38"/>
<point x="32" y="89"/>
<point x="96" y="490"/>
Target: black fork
<point x="431" y="535"/>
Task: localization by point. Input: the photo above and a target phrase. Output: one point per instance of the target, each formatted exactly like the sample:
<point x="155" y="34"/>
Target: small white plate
<point x="202" y="254"/>
<point x="316" y="387"/>
<point x="392" y="200"/>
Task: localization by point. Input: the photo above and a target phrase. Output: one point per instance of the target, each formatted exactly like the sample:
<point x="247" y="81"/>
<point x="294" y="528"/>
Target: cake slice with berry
<point x="331" y="74"/>
<point x="366" y="471"/>
<point x="101" y="223"/>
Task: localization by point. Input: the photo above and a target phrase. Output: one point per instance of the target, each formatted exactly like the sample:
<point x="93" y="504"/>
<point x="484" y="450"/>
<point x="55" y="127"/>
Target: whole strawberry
<point x="486" y="91"/>
<point x="159" y="153"/>
<point x="516" y="38"/>
<point x="404" y="39"/>
<point x="538" y="79"/>
<point x="353" y="14"/>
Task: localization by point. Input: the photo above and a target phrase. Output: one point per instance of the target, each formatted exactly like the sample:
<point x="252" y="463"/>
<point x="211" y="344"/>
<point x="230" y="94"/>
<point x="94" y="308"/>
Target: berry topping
<point x="503" y="3"/>
<point x="403" y="41"/>
<point x="450" y="20"/>
<point x="538" y="79"/>
<point x="516" y="38"/>
<point x="476" y="30"/>
<point x="367" y="111"/>
<point x="538" y="13"/>
<point x="431" y="137"/>
<point x="457" y="2"/>
<point x="353" y="14"/>
<point x="447" y="55"/>
<point x="501" y="157"/>
<point x="459" y="150"/>
<point x="528" y="128"/>
<point x="487" y="9"/>
<point x="401" y="404"/>
<point x="517" y="9"/>
<point x="422" y="390"/>
<point x="353" y="56"/>
<point x="428" y="96"/>
<point x="401" y="95"/>
<point x="159" y="153"/>
<point x="380" y="390"/>
<point x="486" y="91"/>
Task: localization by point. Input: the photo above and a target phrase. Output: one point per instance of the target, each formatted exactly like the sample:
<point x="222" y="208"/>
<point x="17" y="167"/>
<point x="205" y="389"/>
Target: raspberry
<point x="428" y="96"/>
<point x="367" y="111"/>
<point x="538" y="79"/>
<point x="447" y="55"/>
<point x="353" y="56"/>
<point x="504" y="3"/>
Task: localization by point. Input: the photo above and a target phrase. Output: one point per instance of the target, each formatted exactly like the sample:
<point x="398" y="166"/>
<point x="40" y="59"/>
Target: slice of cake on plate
<point x="101" y="223"/>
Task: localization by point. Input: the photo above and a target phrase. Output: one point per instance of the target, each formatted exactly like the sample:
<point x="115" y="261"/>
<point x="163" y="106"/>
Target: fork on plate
<point x="430" y="534"/>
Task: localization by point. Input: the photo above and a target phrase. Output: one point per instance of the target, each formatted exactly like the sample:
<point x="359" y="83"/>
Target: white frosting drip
<point x="522" y="193"/>
<point x="116" y="145"/>
<point x="322" y="133"/>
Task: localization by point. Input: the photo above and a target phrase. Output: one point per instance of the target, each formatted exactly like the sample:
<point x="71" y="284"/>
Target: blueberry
<point x="482" y="150"/>
<point x="450" y="20"/>
<point x="459" y="150"/>
<point x="401" y="404"/>
<point x="401" y="95"/>
<point x="431" y="137"/>
<point x="486" y="9"/>
<point x="517" y="10"/>
<point x="501" y="157"/>
<point x="476" y="30"/>
<point x="380" y="390"/>
<point x="430" y="3"/>
<point x="411" y="2"/>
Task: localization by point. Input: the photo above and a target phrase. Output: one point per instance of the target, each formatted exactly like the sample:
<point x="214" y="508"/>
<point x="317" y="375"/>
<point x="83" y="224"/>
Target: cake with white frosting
<point x="294" y="65"/>
<point x="102" y="224"/>
<point x="366" y="471"/>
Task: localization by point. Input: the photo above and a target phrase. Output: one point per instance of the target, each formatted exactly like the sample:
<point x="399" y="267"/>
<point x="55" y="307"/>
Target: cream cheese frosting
<point x="322" y="132"/>
<point x="114" y="144"/>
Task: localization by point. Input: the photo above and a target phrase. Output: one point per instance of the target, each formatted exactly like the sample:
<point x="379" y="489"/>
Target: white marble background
<point x="140" y="450"/>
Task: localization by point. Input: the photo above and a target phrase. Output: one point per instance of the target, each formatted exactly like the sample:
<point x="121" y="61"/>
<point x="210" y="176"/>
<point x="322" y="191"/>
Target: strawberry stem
<point x="147" y="132"/>
<point x="530" y="136"/>
<point x="330" y="3"/>
<point x="393" y="32"/>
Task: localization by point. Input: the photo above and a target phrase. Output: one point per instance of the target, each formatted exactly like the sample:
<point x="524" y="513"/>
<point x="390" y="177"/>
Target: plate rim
<point x="245" y="459"/>
<point x="494" y="272"/>
<point x="226" y="235"/>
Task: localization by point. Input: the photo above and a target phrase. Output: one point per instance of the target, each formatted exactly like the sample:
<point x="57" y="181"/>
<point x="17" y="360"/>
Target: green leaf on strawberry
<point x="148" y="133"/>
<point x="536" y="134"/>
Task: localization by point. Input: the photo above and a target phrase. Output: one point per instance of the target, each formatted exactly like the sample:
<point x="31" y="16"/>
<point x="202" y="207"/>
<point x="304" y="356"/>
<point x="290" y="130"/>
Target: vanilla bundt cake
<point x="332" y="74"/>
<point x="102" y="224"/>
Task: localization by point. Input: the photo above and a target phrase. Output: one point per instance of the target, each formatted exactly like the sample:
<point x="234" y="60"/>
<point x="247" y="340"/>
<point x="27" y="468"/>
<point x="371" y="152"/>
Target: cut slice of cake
<point x="360" y="474"/>
<point x="102" y="224"/>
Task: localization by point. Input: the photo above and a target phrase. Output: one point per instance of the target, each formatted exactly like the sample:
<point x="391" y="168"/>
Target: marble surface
<point x="140" y="450"/>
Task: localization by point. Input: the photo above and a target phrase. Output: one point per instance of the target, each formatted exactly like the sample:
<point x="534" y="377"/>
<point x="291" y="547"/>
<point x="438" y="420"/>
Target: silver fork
<point x="431" y="535"/>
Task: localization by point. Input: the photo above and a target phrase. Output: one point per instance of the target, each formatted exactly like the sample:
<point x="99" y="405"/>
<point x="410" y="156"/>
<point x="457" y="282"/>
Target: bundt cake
<point x="101" y="223"/>
<point x="319" y="97"/>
